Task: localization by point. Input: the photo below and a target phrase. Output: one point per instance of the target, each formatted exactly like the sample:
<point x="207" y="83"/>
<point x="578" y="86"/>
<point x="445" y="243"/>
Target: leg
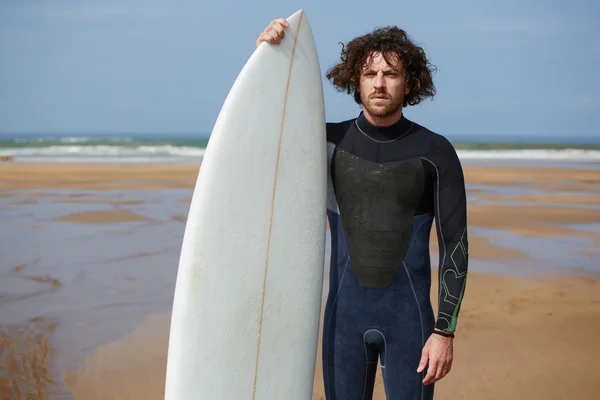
<point x="404" y="345"/>
<point x="399" y="366"/>
<point x="405" y="339"/>
<point x="349" y="364"/>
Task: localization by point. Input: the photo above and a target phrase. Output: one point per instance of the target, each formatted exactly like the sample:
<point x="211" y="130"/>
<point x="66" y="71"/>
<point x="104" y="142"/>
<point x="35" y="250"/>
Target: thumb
<point x="424" y="359"/>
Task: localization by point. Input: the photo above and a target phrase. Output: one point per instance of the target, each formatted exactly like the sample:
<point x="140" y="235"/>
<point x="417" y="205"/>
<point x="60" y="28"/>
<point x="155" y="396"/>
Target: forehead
<point x="376" y="61"/>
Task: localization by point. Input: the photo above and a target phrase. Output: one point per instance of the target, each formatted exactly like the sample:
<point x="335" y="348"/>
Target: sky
<point x="507" y="68"/>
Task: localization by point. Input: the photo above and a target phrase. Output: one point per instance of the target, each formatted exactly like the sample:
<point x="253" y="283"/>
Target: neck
<point x="383" y="132"/>
<point x="383" y="121"/>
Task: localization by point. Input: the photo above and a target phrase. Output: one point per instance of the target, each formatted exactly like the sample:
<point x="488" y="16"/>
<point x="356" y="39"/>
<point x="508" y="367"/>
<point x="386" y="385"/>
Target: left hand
<point x="438" y="353"/>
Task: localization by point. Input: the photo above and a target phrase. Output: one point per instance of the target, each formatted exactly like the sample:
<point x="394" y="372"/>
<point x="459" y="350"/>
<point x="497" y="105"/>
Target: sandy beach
<point x="89" y="257"/>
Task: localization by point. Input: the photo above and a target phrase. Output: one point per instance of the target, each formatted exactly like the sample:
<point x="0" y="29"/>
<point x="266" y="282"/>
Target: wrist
<point x="443" y="333"/>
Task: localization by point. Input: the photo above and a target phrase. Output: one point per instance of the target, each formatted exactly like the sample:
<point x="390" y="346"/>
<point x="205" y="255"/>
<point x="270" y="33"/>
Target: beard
<point x="381" y="109"/>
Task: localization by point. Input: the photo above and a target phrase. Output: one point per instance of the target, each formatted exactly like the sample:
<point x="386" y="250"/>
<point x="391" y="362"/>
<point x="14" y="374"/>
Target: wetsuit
<point x="386" y="185"/>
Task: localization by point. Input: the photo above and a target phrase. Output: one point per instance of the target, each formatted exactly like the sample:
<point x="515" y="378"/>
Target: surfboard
<point x="247" y="301"/>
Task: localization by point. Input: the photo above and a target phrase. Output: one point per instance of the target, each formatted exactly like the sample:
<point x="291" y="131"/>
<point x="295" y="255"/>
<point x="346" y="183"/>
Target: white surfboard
<point x="247" y="300"/>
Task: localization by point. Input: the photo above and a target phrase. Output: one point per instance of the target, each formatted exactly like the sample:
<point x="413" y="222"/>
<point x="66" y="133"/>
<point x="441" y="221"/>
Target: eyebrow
<point x="387" y="70"/>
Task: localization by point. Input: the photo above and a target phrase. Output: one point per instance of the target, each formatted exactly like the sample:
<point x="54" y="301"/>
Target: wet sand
<point x="103" y="176"/>
<point x="96" y="176"/>
<point x="518" y="339"/>
<point x="584" y="179"/>
<point x="102" y="217"/>
<point x="89" y="264"/>
<point x="583" y="199"/>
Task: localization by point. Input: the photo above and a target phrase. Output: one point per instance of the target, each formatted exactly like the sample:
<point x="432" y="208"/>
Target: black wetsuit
<point x="386" y="186"/>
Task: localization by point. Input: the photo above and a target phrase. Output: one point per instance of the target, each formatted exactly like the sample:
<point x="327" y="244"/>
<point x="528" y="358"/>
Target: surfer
<point x="390" y="179"/>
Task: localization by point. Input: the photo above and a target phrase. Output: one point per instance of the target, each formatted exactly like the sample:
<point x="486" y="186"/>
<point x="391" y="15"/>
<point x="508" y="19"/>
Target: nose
<point x="379" y="80"/>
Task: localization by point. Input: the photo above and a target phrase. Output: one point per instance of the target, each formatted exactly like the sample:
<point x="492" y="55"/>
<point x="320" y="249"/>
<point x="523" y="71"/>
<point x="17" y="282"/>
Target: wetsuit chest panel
<point x="377" y="203"/>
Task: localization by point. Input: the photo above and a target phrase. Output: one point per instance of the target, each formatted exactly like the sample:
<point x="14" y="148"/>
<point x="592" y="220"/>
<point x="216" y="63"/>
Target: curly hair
<point x="392" y="43"/>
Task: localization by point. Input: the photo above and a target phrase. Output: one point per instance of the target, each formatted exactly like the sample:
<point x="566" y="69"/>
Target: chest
<point x="400" y="182"/>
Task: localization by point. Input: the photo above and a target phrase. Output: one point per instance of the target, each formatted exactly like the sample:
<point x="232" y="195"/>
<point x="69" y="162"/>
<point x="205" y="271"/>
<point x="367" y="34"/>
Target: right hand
<point x="274" y="32"/>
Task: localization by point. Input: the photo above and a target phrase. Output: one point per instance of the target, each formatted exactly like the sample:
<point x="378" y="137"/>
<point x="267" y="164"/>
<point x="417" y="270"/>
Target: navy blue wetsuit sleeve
<point x="450" y="203"/>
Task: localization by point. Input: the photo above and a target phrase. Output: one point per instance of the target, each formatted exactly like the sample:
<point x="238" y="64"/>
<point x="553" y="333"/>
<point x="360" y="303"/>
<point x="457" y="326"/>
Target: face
<point x="382" y="88"/>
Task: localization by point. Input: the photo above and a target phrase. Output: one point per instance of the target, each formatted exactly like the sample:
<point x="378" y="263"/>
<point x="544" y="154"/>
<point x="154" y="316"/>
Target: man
<point x="389" y="178"/>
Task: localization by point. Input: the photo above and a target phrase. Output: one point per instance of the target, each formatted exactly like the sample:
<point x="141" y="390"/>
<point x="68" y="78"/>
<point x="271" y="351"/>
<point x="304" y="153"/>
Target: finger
<point x="269" y="38"/>
<point x="441" y="371"/>
<point x="429" y="378"/>
<point x="282" y="21"/>
<point x="273" y="37"/>
<point x="423" y="362"/>
<point x="278" y="30"/>
<point x="448" y="367"/>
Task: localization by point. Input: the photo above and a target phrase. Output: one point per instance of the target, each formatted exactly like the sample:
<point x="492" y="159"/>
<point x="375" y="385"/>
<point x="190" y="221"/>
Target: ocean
<point x="189" y="148"/>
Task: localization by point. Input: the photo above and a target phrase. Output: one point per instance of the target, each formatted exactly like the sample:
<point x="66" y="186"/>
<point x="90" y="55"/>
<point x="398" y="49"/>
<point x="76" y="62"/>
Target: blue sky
<point x="505" y="68"/>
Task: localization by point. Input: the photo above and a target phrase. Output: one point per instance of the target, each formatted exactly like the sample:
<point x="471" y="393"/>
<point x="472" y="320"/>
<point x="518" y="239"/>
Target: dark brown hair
<point x="391" y="42"/>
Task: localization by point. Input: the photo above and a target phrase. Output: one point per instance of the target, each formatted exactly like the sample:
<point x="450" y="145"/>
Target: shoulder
<point x="337" y="130"/>
<point x="437" y="144"/>
<point x="438" y="151"/>
<point x="435" y="147"/>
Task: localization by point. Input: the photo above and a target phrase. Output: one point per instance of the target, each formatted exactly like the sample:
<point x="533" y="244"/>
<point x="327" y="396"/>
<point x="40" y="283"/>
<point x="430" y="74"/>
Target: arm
<point x="450" y="203"/>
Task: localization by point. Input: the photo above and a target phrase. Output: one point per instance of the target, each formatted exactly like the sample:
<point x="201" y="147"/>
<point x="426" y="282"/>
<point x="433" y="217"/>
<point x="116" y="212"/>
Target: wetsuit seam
<point x="439" y="226"/>
<point x="384" y="141"/>
<point x="385" y="353"/>
<point x="337" y="292"/>
<point x="384" y="363"/>
<point x="366" y="366"/>
<point x="420" y="317"/>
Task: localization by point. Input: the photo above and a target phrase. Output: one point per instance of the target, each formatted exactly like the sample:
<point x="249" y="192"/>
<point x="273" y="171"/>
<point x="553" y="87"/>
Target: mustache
<point x="379" y="94"/>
